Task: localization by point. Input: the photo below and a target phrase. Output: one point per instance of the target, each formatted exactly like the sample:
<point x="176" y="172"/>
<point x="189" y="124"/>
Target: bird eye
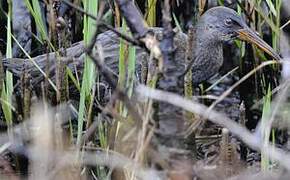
<point x="228" y="22"/>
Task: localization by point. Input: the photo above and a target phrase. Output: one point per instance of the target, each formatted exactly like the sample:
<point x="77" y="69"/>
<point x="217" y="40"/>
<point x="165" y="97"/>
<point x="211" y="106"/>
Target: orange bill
<point x="246" y="34"/>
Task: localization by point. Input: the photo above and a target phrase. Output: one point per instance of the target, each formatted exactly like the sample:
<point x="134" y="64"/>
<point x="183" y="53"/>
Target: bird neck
<point x="207" y="41"/>
<point x="208" y="55"/>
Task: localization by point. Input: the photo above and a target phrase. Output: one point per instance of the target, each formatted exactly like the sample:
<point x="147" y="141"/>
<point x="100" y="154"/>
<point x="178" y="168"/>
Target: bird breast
<point x="207" y="62"/>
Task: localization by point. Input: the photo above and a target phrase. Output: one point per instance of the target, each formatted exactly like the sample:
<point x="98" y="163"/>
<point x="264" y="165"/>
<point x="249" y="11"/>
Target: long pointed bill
<point x="250" y="36"/>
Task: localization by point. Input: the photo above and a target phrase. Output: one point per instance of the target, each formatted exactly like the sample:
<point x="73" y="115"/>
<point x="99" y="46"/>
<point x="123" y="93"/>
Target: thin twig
<point x="227" y="92"/>
<point x="253" y="140"/>
<point x="101" y="23"/>
<point x="110" y="78"/>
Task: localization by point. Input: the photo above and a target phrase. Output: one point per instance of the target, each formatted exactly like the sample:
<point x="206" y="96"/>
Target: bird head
<point x="224" y="24"/>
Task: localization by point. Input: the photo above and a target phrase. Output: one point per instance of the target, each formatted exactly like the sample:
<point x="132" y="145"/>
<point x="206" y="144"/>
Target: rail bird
<point x="215" y="27"/>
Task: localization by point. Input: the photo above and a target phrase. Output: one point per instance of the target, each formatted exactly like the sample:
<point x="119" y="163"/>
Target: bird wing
<point x="108" y="41"/>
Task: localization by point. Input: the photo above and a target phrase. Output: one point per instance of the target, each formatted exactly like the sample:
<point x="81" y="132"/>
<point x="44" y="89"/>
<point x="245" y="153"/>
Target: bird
<point x="215" y="27"/>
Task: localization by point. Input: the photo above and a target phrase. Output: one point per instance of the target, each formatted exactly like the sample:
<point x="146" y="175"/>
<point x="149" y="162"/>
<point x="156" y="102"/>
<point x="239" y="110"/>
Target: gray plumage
<point x="216" y="26"/>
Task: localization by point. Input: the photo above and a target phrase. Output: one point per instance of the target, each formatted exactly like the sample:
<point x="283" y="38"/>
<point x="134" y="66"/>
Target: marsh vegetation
<point x="90" y="90"/>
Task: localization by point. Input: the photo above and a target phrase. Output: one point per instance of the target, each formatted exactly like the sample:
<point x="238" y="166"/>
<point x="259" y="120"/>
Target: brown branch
<point x="139" y="27"/>
<point x="133" y="18"/>
<point x="171" y="119"/>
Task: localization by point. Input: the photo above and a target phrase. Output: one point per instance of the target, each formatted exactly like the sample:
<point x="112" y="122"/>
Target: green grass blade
<point x="122" y="57"/>
<point x="131" y="70"/>
<point x="176" y="22"/>
<point x="271" y="7"/>
<point x="7" y="90"/>
<point x="7" y="93"/>
<point x="265" y="161"/>
<point x="151" y="10"/>
<point x="9" y="31"/>
<point x="34" y="63"/>
<point x="35" y="10"/>
<point x="74" y="80"/>
<point x="89" y="73"/>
